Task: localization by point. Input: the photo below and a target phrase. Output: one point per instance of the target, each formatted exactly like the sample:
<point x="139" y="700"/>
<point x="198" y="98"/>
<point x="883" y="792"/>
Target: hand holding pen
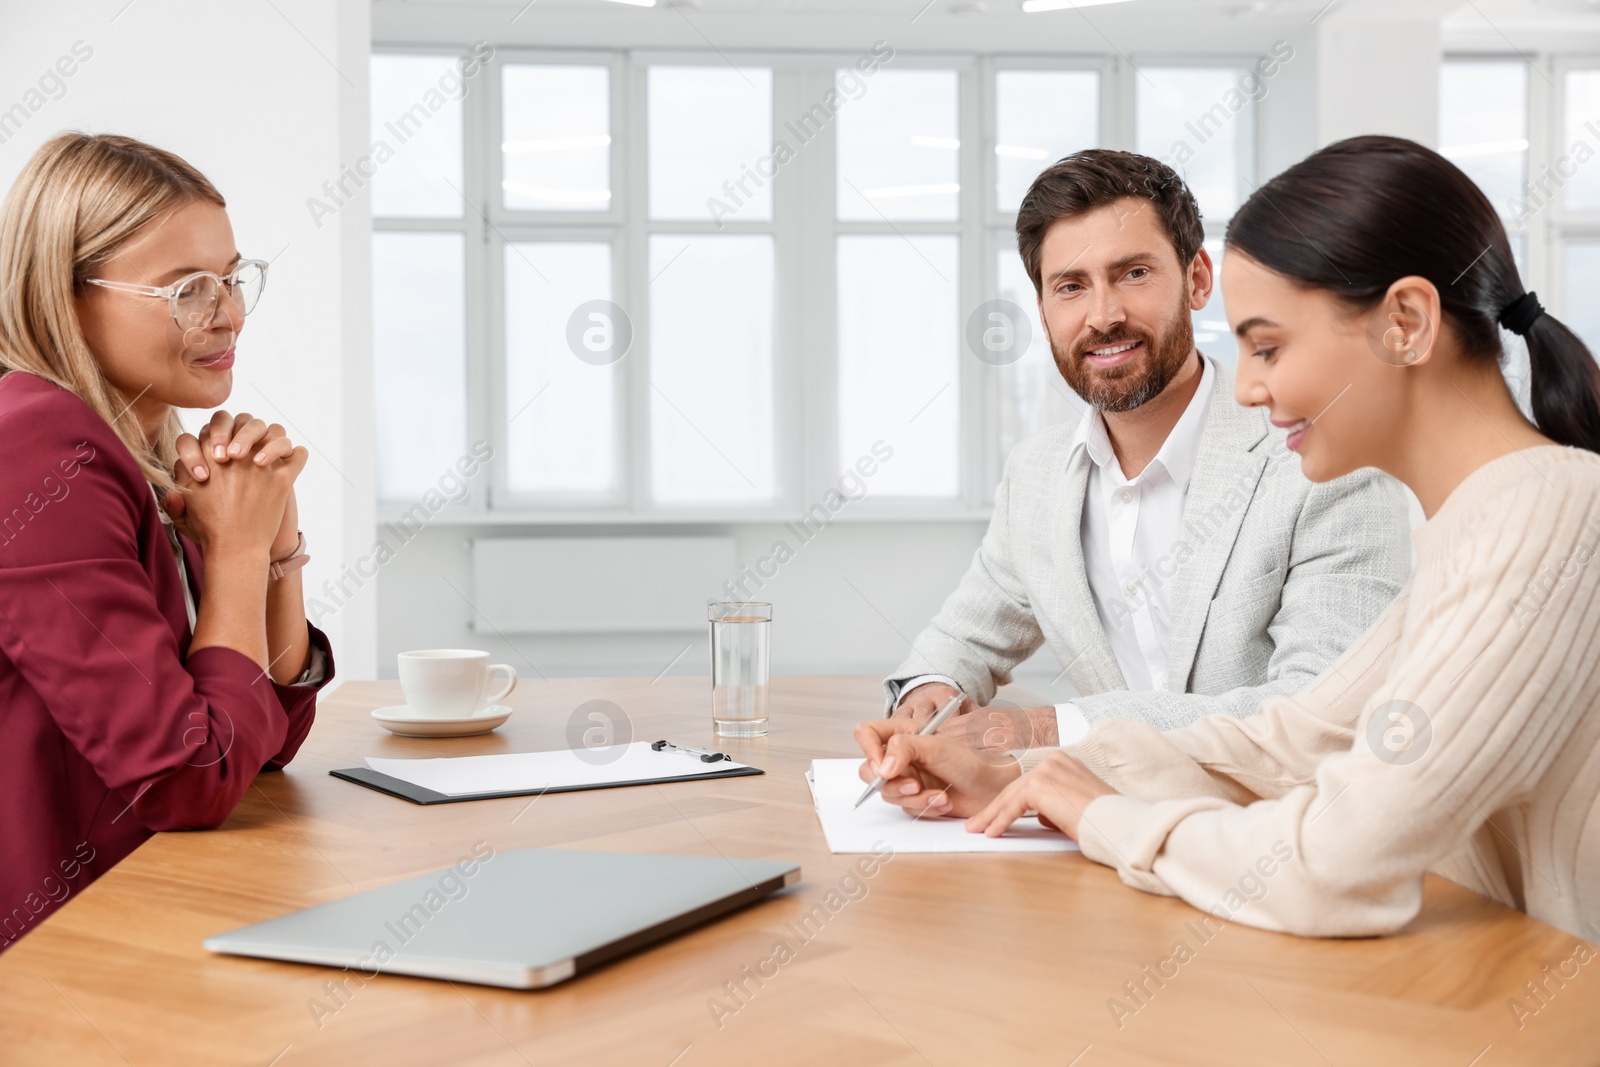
<point x="927" y="773"/>
<point x="931" y="726"/>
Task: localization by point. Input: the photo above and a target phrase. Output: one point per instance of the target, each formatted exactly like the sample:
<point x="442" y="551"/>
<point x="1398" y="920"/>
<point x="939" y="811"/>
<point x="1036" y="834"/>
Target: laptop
<point x="523" y="919"/>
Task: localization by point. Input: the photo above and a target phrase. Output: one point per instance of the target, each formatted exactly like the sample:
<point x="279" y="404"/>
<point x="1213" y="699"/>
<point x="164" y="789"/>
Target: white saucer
<point x="400" y="719"/>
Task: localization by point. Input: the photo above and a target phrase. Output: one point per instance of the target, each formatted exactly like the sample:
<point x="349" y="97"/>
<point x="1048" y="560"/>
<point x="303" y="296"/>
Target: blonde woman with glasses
<point x="154" y="650"/>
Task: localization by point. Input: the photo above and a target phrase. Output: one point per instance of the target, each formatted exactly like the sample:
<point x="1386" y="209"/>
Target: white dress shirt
<point x="1130" y="531"/>
<point x="1130" y="525"/>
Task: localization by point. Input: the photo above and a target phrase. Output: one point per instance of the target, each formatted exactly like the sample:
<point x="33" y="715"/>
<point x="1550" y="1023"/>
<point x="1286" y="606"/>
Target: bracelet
<point x="290" y="563"/>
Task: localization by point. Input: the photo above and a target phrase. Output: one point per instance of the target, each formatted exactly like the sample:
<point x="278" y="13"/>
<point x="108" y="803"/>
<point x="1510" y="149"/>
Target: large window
<point x="694" y="286"/>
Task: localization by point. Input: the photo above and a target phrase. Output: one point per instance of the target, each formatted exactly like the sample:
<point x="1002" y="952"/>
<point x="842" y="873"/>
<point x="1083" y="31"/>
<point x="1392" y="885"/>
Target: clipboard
<point x="589" y="776"/>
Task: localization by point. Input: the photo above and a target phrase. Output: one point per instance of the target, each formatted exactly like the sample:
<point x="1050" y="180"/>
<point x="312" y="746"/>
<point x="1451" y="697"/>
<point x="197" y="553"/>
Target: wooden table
<point x="941" y="960"/>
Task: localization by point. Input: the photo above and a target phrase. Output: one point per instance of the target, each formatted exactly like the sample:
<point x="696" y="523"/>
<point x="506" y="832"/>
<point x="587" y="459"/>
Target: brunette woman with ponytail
<point x="1368" y="287"/>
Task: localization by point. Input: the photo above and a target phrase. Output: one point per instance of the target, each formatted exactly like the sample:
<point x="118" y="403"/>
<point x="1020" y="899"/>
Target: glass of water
<point x="739" y="666"/>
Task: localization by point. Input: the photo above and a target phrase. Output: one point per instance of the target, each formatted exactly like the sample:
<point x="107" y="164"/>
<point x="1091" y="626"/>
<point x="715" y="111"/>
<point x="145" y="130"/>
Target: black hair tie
<point x="1521" y="313"/>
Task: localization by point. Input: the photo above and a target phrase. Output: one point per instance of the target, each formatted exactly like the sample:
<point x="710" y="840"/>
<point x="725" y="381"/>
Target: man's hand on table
<point x="922" y="703"/>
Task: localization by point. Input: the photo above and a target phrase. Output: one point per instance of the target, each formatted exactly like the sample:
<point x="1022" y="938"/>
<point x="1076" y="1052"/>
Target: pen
<point x="934" y="723"/>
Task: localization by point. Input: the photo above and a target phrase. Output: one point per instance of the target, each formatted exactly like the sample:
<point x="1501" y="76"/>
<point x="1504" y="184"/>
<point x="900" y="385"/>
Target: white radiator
<point x="546" y="585"/>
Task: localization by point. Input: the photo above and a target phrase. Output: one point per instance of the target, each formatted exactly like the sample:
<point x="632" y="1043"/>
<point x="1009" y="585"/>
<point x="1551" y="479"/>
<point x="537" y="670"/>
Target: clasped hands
<point x="963" y="771"/>
<point x="236" y="486"/>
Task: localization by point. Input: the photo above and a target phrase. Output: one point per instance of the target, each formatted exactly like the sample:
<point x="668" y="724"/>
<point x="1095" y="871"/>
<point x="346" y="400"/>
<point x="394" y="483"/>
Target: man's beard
<point x="1132" y="384"/>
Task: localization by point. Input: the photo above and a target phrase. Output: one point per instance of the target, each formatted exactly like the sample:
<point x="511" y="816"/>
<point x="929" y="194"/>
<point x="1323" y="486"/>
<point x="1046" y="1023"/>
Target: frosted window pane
<point x="1483" y="126"/>
<point x="1580" y="309"/>
<point x="1515" y="364"/>
<point x="1182" y="117"/>
<point x="419" y="355"/>
<point x="1582" y="105"/>
<point x="711" y="373"/>
<point x="1211" y="333"/>
<point x="710" y="131"/>
<point x="899" y="376"/>
<point x="426" y="141"/>
<point x="560" y="408"/>
<point x="1040" y="116"/>
<point x="1033" y="395"/>
<point x="556" y="138"/>
<point x="899" y="148"/>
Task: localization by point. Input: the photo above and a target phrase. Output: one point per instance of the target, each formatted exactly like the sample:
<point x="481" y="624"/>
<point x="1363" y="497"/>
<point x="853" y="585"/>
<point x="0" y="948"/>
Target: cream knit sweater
<point x="1460" y="734"/>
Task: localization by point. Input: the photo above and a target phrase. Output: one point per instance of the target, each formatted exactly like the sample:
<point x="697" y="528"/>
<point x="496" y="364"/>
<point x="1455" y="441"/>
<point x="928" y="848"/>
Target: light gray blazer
<point x="1274" y="576"/>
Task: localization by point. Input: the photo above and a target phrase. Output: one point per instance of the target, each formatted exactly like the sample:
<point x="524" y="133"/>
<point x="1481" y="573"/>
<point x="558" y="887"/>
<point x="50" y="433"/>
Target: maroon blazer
<point x="108" y="730"/>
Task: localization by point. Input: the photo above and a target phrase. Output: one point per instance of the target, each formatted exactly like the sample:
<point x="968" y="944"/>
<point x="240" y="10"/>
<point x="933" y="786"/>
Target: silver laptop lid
<point x="522" y="919"/>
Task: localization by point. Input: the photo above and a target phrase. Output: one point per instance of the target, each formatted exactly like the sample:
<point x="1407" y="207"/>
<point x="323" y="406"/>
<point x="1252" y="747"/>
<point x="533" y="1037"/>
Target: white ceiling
<point x="910" y="8"/>
<point x="1203" y="25"/>
<point x="1541" y="12"/>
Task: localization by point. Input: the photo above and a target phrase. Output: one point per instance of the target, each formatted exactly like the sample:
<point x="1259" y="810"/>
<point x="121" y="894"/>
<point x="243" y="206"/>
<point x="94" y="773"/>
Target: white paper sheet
<point x="835" y="785"/>
<point x="509" y="772"/>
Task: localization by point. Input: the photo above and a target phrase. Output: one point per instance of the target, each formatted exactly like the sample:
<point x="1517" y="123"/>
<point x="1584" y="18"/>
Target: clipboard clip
<point x="706" y="756"/>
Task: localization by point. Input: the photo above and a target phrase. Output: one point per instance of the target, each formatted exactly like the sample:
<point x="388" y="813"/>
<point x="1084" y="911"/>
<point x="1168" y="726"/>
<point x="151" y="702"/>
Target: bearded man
<point x="1164" y="544"/>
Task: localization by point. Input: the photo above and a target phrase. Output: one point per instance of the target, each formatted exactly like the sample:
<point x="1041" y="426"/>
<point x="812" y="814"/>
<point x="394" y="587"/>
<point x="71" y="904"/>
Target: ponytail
<point x="1369" y="210"/>
<point x="1565" y="384"/>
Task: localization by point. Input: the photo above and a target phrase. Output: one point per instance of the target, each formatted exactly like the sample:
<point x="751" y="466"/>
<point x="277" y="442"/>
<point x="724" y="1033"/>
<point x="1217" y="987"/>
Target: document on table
<point x="835" y="785"/>
<point x="563" y="769"/>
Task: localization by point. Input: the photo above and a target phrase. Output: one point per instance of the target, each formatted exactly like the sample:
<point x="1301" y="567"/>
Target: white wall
<point x="267" y="100"/>
<point x="1378" y="70"/>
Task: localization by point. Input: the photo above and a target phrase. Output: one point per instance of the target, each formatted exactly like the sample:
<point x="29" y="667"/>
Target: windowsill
<point x="388" y="513"/>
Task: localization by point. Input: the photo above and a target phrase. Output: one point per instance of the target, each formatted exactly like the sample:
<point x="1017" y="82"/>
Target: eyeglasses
<point x="193" y="299"/>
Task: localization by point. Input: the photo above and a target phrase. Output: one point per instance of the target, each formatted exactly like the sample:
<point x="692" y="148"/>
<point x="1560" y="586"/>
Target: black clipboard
<point x="417" y="794"/>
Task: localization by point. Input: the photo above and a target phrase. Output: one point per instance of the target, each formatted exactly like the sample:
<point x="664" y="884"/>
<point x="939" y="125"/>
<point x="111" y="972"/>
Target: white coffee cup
<point x="450" y="683"/>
